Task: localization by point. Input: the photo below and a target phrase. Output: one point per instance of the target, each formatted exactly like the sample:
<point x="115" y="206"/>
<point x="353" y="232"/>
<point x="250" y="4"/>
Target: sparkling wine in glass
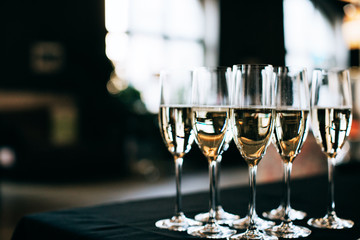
<point x="221" y="215"/>
<point x="210" y="119"/>
<point x="331" y="114"/>
<point x="252" y="121"/>
<point x="279" y="212"/>
<point x="291" y="128"/>
<point x="176" y="131"/>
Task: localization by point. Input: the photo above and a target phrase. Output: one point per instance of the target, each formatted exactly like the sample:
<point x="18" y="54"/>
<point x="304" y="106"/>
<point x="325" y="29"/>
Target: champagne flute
<point x="210" y="117"/>
<point x="331" y="115"/>
<point x="291" y="128"/>
<point x="176" y="131"/>
<point x="252" y="121"/>
<point x="221" y="215"/>
<point x="279" y="212"/>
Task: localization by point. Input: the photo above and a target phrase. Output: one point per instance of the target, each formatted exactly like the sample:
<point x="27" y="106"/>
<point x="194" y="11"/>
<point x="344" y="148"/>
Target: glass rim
<point x="331" y="70"/>
<point x="253" y="65"/>
<point x="290" y="67"/>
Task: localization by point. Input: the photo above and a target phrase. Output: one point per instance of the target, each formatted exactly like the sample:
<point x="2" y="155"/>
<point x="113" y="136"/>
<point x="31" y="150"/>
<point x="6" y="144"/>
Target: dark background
<point x="111" y="135"/>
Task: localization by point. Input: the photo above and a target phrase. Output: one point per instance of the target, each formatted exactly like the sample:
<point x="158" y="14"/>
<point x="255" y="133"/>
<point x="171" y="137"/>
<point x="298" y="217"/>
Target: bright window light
<point x="185" y="19"/>
<point x="311" y="40"/>
<point x="146" y="16"/>
<point x="116" y="15"/>
<point x="116" y="46"/>
<point x="184" y="54"/>
<point x="145" y="37"/>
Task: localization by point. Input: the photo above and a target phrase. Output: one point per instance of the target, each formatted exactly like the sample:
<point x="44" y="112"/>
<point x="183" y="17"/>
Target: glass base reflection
<point x="177" y="223"/>
<point x="330" y="221"/>
<point x="253" y="235"/>
<point x="278" y="214"/>
<point x="221" y="216"/>
<point x="260" y="223"/>
<point x="211" y="230"/>
<point x="288" y="230"/>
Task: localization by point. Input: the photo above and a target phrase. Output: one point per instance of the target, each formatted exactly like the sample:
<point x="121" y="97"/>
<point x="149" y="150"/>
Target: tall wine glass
<point x="291" y="128"/>
<point x="331" y="115"/>
<point x="221" y="215"/>
<point x="176" y="131"/>
<point x="279" y="212"/>
<point x="210" y="117"/>
<point x="252" y="121"/>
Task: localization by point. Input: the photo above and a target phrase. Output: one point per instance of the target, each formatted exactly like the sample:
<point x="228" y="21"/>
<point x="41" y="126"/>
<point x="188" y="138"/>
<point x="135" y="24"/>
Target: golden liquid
<point x="291" y="127"/>
<point x="252" y="132"/>
<point x="176" y="129"/>
<point x="331" y="127"/>
<point x="210" y="126"/>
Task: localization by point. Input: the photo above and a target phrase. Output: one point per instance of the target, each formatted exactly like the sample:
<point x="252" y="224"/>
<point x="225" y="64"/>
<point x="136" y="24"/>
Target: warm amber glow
<point x="116" y="84"/>
<point x="351" y="26"/>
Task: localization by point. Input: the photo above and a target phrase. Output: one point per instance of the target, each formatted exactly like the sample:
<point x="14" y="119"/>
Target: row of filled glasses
<point x="254" y="105"/>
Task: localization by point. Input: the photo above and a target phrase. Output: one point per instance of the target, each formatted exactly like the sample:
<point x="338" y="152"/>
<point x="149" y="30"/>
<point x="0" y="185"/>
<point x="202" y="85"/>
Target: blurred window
<point x="147" y="36"/>
<point x="311" y="38"/>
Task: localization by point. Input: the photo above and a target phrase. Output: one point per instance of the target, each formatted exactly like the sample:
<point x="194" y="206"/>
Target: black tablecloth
<point x="135" y="220"/>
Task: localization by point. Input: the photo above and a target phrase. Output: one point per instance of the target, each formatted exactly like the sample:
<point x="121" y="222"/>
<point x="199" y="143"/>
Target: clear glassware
<point x="210" y="119"/>
<point x="176" y="131"/>
<point x="291" y="129"/>
<point x="279" y="212"/>
<point x="331" y="114"/>
<point x="252" y="122"/>
<point x="221" y="215"/>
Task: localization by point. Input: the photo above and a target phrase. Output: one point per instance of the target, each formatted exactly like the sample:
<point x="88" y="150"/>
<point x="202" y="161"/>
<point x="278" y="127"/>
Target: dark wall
<point x="251" y="32"/>
<point x="76" y="28"/>
<point x="58" y="47"/>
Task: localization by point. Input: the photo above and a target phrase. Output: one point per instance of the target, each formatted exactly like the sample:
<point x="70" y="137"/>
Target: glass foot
<point x="221" y="216"/>
<point x="278" y="213"/>
<point x="244" y="222"/>
<point x="253" y="234"/>
<point x="177" y="223"/>
<point x="330" y="222"/>
<point x="288" y="230"/>
<point x="211" y="230"/>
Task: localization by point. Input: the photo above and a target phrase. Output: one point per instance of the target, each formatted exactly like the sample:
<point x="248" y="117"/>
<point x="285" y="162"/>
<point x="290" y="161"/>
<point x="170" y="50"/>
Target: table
<point x="135" y="219"/>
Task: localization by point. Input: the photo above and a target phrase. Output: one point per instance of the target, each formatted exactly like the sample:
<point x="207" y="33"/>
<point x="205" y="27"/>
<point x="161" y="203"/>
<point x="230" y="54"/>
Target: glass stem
<point x="212" y="177"/>
<point x="252" y="203"/>
<point x="217" y="182"/>
<point x="282" y="203"/>
<point x="287" y="175"/>
<point x="331" y="200"/>
<point x="178" y="171"/>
